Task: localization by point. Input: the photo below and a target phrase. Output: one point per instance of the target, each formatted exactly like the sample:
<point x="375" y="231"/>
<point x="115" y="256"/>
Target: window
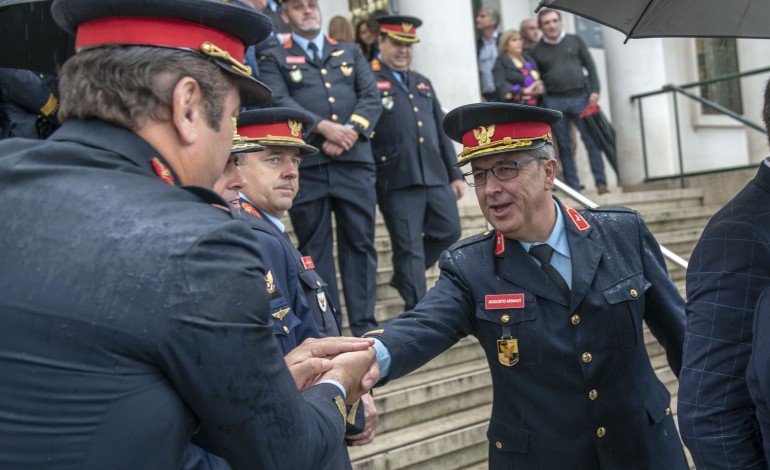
<point x="718" y="57"/>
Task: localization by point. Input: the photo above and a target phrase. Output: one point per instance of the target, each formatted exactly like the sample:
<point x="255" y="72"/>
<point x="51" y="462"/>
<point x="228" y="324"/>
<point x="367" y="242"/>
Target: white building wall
<point x="447" y="55"/>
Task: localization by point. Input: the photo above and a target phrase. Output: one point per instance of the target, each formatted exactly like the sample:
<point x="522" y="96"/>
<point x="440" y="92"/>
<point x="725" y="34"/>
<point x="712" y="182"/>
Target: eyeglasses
<point x="502" y="171"/>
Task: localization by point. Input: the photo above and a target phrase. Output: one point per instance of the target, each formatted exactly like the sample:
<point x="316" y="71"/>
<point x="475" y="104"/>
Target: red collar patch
<point x="499" y="244"/>
<point x="162" y="171"/>
<point x="577" y="219"/>
<point x="249" y="209"/>
<point x="376" y="67"/>
<point x="307" y="262"/>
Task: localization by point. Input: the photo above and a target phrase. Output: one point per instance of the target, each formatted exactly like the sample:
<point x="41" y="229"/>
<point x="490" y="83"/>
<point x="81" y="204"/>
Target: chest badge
<point x="387" y="102"/>
<point x="508" y="351"/>
<point x="321" y="300"/>
<point x="296" y="75"/>
<point x="346" y="70"/>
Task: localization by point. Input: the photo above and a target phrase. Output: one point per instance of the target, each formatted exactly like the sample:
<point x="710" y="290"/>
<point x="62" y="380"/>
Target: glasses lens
<point x="506" y="171"/>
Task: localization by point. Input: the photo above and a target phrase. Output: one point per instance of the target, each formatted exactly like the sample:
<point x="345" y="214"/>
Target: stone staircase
<point x="437" y="416"/>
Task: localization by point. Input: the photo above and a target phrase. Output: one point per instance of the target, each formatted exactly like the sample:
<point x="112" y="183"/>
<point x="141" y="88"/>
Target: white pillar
<point x="330" y="8"/>
<point x="446" y="53"/>
<point x="512" y="13"/>
<point x="629" y="69"/>
<point x="752" y="54"/>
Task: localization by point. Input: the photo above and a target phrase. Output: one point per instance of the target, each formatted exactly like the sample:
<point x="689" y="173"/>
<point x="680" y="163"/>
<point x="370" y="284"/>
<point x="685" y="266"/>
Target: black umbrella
<point x="602" y="132"/>
<point x="674" y="18"/>
<point x="31" y="39"/>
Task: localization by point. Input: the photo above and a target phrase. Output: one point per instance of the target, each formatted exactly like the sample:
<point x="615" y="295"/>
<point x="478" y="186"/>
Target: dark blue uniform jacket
<point x="130" y="318"/>
<point x="409" y="147"/>
<point x="583" y="394"/>
<point x="341" y="88"/>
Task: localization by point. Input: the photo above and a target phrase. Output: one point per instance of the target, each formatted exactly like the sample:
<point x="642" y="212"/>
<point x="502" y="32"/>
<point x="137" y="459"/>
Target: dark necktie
<point x="543" y="254"/>
<point x="405" y="77"/>
<point x="313" y="53"/>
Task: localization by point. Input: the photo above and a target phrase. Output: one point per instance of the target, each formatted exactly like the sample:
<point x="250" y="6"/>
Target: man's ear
<point x="186" y="112"/>
<point x="550" y="166"/>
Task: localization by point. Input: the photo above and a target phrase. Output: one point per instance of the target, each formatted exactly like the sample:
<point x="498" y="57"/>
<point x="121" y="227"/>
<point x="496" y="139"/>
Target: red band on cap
<point x="167" y="32"/>
<point x="398" y="28"/>
<point x="260" y="131"/>
<point x="514" y="130"/>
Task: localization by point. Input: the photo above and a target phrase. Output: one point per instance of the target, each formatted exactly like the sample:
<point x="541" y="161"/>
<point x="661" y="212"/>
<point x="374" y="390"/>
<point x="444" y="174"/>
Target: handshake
<point x="348" y="361"/>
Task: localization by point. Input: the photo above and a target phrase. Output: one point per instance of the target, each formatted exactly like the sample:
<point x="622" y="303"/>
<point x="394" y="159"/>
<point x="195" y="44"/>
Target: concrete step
<point x="448" y="442"/>
<point x="425" y="395"/>
<point x="644" y="201"/>
<point x="664" y="220"/>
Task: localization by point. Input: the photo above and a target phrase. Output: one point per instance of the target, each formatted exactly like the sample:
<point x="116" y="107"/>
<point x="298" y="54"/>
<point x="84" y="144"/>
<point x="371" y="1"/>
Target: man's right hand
<point x="313" y="357"/>
<point x="356" y="371"/>
<point x="338" y="134"/>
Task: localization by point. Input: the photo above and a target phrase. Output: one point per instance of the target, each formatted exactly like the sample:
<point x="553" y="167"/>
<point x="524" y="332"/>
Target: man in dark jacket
<point x="129" y="314"/>
<point x="562" y="59"/>
<point x="417" y="184"/>
<point x="333" y="82"/>
<point x="558" y="299"/>
<point x="728" y="270"/>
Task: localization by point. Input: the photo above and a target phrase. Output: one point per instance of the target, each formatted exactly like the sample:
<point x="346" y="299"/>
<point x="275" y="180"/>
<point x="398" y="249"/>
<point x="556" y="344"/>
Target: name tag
<point x="383" y="85"/>
<point x="494" y="302"/>
<point x="295" y="59"/>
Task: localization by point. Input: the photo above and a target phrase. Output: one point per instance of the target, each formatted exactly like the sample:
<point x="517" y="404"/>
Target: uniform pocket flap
<point x="507" y="438"/>
<point x="507" y="309"/>
<point x="630" y="288"/>
<point x="311" y="279"/>
<point x="658" y="405"/>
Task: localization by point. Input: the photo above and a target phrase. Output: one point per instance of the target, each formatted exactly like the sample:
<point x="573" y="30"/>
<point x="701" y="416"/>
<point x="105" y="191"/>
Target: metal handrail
<point x="681" y="90"/>
<point x="569" y="191"/>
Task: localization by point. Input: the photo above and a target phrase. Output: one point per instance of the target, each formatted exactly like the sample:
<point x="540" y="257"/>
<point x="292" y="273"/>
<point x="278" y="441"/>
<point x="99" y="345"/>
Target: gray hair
<point x="125" y="85"/>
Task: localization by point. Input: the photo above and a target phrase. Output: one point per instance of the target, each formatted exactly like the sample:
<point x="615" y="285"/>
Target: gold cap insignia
<point x="296" y="127"/>
<point x="407" y="27"/>
<point x="483" y="135"/>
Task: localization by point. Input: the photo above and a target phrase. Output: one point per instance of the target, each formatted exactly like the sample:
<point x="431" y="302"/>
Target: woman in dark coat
<point x="516" y="76"/>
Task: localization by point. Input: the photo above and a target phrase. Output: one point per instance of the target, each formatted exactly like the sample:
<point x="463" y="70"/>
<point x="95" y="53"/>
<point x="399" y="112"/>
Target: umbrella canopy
<point x="30" y="37"/>
<point x="674" y="18"/>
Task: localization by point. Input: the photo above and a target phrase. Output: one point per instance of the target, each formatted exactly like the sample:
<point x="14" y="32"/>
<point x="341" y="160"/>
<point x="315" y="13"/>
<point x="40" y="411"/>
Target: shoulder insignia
<point x="249" y="209"/>
<point x="338" y="53"/>
<point x="577" y="219"/>
<point x="612" y="209"/>
<point x="332" y="41"/>
<point x="479" y="237"/>
<point x="376" y="66"/>
<point x="162" y="171"/>
<point x="295" y="59"/>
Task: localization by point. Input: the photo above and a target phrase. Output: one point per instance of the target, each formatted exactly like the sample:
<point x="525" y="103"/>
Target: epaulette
<point x="376" y="66"/>
<point x="611" y="209"/>
<point x="479" y="237"/>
